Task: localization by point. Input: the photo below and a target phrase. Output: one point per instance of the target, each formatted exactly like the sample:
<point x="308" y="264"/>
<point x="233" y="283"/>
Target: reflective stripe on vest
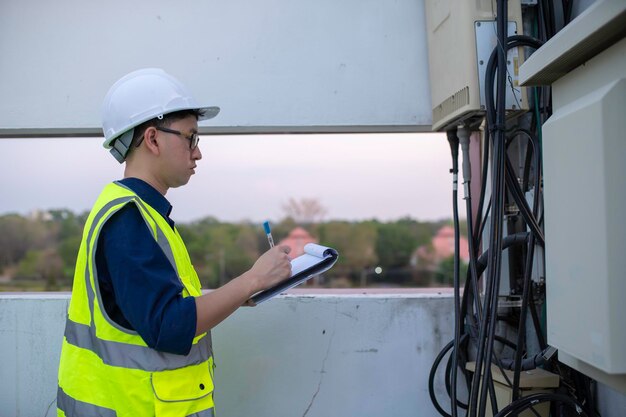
<point x="134" y="356"/>
<point x="72" y="407"/>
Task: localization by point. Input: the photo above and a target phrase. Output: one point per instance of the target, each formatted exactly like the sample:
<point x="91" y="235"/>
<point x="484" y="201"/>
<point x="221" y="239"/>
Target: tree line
<point x="38" y="252"/>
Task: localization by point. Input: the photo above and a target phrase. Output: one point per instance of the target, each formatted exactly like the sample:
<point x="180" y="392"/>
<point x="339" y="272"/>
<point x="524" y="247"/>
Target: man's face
<point x="178" y="162"/>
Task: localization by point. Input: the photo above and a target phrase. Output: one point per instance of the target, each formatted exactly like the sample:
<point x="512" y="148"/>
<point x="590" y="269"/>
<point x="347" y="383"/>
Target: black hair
<point x="166" y="121"/>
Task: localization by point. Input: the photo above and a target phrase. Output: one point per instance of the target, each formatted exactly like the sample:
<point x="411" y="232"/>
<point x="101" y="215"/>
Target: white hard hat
<point x="140" y="96"/>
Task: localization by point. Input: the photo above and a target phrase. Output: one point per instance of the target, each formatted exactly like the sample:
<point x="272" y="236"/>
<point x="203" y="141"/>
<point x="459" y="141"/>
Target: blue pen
<point x="268" y="232"/>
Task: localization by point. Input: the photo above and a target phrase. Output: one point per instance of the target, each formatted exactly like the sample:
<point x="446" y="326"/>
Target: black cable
<point x="431" y="377"/>
<point x="537" y="325"/>
<point x="465" y="135"/>
<point x="527" y="364"/>
<point x="510" y="240"/>
<point x="499" y="362"/>
<point x="527" y="297"/>
<point x="521" y="202"/>
<point x="448" y="378"/>
<point x="521" y="328"/>
<point x="535" y="154"/>
<point x="541" y="30"/>
<point x="520" y="405"/>
<point x="488" y="325"/>
<point x="567" y="11"/>
<point x="473" y="275"/>
<point x="487" y="212"/>
<point x="444" y="351"/>
<point x="481" y="264"/>
<point x="550" y="18"/>
<point x="454" y="148"/>
<point x="546" y="20"/>
<point x="496" y="128"/>
<point x="528" y="159"/>
<point x="497" y="205"/>
<point x="495" y="125"/>
<point x="483" y="189"/>
<point x="512" y="42"/>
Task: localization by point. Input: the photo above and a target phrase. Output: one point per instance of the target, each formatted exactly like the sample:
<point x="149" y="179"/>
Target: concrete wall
<point x="297" y="355"/>
<point x="31" y="330"/>
<point x="304" y="355"/>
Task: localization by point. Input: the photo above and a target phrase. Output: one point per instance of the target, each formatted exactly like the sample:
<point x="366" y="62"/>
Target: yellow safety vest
<point x="107" y="370"/>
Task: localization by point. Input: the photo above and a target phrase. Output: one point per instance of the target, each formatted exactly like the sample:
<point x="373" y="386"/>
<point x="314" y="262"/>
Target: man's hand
<point x="271" y="268"/>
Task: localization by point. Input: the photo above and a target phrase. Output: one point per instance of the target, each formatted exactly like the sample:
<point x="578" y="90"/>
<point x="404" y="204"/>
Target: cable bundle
<point x="476" y="319"/>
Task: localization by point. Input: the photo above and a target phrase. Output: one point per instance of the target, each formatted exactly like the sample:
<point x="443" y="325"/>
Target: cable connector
<point x="464" y="138"/>
<point x="453" y="140"/>
<point x="549" y="352"/>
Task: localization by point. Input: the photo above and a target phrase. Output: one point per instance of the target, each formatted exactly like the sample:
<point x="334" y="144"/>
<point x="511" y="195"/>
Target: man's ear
<point x="150" y="139"/>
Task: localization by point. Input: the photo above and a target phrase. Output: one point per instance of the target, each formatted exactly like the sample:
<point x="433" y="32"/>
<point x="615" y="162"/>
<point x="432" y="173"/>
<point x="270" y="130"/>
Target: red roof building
<point x="296" y="240"/>
<point x="442" y="247"/>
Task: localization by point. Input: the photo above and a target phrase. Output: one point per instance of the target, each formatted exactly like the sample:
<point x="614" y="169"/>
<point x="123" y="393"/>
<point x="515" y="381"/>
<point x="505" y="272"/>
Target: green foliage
<point x="395" y="245"/>
<point x="18" y="235"/>
<point x="27" y="268"/>
<point x="69" y="225"/>
<point x="356" y="243"/>
<point x="43" y="248"/>
<point x="67" y="250"/>
<point x="445" y="272"/>
<point x="220" y="251"/>
<point x="45" y="265"/>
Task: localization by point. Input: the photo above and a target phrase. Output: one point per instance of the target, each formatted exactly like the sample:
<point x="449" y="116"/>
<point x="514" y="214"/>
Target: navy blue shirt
<point x="139" y="287"/>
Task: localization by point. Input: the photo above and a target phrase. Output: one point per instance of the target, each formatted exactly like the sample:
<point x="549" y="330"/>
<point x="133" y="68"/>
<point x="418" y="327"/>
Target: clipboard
<point x="315" y="260"/>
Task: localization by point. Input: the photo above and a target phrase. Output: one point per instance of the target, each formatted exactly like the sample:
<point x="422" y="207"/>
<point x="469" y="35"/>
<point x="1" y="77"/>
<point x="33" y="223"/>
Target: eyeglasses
<point x="193" y="139"/>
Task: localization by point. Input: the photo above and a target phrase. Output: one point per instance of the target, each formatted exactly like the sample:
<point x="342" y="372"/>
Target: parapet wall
<point x="296" y="355"/>
<point x="316" y="355"/>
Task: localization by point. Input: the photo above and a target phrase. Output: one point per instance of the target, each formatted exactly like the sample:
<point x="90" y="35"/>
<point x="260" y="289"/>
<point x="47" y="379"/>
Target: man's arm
<point x="270" y="269"/>
<point x="140" y="288"/>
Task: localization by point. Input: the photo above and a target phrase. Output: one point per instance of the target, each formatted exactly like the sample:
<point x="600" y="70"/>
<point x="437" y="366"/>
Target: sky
<point x="249" y="177"/>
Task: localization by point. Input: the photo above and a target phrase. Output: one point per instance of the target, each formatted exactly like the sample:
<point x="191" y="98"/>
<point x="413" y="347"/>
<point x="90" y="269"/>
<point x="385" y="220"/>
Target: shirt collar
<point x="150" y="195"/>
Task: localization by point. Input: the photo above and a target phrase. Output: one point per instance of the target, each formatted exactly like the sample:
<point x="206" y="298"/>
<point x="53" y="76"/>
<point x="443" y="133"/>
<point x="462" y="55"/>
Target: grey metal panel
<point x="596" y="29"/>
<point x="583" y="150"/>
<point x="272" y="66"/>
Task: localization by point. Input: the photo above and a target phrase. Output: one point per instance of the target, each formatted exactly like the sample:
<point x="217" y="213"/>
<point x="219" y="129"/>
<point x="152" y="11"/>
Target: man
<point x="137" y="340"/>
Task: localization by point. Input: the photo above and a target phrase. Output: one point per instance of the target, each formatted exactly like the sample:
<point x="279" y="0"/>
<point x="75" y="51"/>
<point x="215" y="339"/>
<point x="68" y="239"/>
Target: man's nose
<point x="196" y="154"/>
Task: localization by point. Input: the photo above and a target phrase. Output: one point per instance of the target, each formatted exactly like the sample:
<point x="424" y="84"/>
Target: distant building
<point x="440" y="248"/>
<point x="39" y="215"/>
<point x="296" y="240"/>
